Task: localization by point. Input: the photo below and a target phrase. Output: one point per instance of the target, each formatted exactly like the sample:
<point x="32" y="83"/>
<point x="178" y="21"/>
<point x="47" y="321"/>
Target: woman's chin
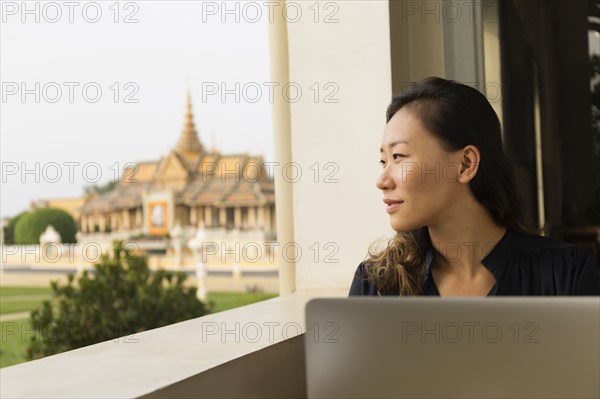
<point x="404" y="226"/>
<point x="399" y="227"/>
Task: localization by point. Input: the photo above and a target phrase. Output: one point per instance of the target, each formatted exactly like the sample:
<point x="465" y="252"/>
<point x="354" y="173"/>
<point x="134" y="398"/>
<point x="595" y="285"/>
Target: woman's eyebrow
<point x="394" y="143"/>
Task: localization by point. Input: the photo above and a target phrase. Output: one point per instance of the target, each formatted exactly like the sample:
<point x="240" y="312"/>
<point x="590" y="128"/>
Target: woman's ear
<point x="469" y="163"/>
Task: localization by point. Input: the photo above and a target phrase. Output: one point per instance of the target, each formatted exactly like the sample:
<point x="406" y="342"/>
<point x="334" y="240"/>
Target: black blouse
<point x="522" y="265"/>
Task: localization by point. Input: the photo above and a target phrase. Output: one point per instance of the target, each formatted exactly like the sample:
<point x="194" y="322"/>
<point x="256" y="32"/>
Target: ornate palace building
<point x="190" y="187"/>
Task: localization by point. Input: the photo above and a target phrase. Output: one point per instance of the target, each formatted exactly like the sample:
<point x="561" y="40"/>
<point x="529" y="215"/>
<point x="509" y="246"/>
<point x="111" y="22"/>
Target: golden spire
<point x="189" y="141"/>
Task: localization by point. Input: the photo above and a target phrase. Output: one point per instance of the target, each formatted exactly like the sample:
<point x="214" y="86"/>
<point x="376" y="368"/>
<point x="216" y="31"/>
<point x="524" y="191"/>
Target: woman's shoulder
<point x="536" y="242"/>
<point x="528" y="244"/>
<point x="572" y="270"/>
<point x="360" y="282"/>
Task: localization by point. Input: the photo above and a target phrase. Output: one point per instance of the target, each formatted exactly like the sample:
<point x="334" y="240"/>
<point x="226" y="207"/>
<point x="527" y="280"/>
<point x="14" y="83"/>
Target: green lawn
<point x="230" y="300"/>
<point x="14" y="341"/>
<point x="16" y="334"/>
<point x="20" y="306"/>
<point x="14" y="299"/>
<point x="6" y="291"/>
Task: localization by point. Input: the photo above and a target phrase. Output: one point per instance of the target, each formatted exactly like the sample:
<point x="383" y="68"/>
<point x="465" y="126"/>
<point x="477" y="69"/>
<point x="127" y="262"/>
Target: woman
<point x="451" y="195"/>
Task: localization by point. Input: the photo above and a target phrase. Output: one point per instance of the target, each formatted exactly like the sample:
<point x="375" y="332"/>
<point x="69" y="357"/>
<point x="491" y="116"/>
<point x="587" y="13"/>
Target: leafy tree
<point x="9" y="229"/>
<point x="120" y="298"/>
<point x="32" y="224"/>
<point x="99" y="188"/>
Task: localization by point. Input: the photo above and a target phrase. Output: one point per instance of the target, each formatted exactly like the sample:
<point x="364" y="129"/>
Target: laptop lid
<point x="426" y="347"/>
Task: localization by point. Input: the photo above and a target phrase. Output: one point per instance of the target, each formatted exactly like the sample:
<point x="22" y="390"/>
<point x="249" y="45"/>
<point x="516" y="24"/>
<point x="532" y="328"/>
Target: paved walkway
<point x="24" y="298"/>
<point x="14" y="316"/>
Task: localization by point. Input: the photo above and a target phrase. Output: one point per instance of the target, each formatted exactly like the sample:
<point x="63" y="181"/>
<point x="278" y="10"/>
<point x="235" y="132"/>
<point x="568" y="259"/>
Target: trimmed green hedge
<point x="31" y="225"/>
<point x="9" y="229"/>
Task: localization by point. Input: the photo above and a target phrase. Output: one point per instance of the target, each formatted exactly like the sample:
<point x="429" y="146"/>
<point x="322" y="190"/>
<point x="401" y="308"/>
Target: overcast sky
<point x="173" y="46"/>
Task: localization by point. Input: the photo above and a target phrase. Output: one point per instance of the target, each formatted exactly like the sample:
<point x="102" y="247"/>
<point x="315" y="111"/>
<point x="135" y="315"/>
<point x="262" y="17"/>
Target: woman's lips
<point x="392" y="207"/>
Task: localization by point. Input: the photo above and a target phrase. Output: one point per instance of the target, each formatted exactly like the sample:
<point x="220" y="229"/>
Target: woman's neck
<point x="461" y="244"/>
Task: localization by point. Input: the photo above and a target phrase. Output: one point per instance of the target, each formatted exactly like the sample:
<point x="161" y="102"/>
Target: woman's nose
<point x="385" y="182"/>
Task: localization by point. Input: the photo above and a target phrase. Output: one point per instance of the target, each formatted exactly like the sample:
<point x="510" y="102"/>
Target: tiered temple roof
<point x="197" y="177"/>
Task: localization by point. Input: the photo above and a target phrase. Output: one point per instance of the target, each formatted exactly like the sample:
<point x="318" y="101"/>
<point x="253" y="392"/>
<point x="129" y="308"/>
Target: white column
<point x="251" y="217"/>
<point x="138" y="218"/>
<point x="237" y="217"/>
<point x="102" y="223"/>
<point x="281" y="114"/>
<point x="193" y="216"/>
<point x="267" y="213"/>
<point x="274" y="218"/>
<point x="261" y="217"/>
<point x="201" y="216"/>
<point x="113" y="221"/>
<point x="126" y="221"/>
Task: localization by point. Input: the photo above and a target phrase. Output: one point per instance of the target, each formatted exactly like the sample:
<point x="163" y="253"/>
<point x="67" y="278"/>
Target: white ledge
<point x="146" y="362"/>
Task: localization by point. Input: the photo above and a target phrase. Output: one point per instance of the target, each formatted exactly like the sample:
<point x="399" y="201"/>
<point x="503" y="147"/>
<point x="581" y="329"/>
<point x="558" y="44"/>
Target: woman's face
<point x="417" y="172"/>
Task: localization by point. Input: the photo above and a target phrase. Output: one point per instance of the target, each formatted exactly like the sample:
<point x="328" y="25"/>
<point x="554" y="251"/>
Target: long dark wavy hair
<point x="457" y="115"/>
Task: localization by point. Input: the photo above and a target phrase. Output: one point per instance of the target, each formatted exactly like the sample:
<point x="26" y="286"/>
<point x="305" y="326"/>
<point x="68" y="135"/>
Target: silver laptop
<point x="427" y="347"/>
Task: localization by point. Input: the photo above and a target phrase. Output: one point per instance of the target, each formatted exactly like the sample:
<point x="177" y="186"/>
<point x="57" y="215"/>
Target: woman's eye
<point x="394" y="156"/>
